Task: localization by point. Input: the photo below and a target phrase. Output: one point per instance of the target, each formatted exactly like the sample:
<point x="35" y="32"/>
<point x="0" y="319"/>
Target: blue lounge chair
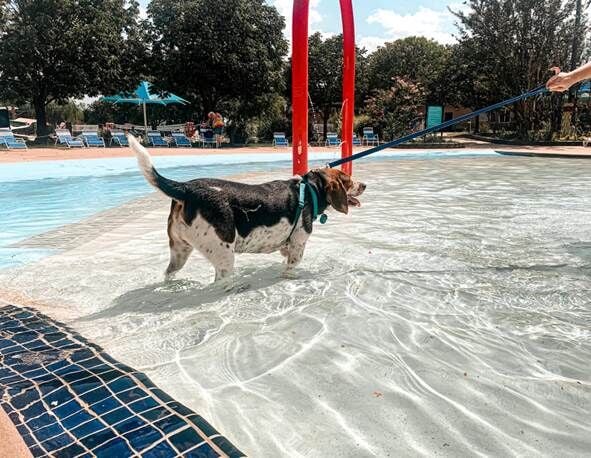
<point x="8" y="139"/>
<point x="279" y="139"/>
<point x="181" y="140"/>
<point x="93" y="139"/>
<point x="333" y="139"/>
<point x="64" y="137"/>
<point x="118" y="137"/>
<point x="208" y="137"/>
<point x="356" y="140"/>
<point x="370" y="137"/>
<point x="155" y="139"/>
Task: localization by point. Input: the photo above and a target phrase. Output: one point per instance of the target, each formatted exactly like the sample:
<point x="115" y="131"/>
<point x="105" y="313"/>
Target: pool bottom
<point x="67" y="397"/>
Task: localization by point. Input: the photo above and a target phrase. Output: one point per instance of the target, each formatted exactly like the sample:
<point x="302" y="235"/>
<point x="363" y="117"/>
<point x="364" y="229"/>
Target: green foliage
<point x="394" y="111"/>
<point x="506" y="47"/>
<point x="326" y="74"/>
<point x="60" y="49"/>
<point x="225" y="57"/>
<point x="416" y="59"/>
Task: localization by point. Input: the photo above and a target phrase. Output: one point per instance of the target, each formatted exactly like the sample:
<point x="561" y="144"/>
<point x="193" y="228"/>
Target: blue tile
<point x="170" y="424"/>
<point x="129" y="396"/>
<point x="203" y="425"/>
<point x="42" y="421"/>
<point x="114" y="448"/>
<point x="37" y="451"/>
<point x="59" y="396"/>
<point x="98" y="439"/>
<point x="34" y="410"/>
<point x="52" y="367"/>
<point x="142" y="438"/>
<point x="228" y="448"/>
<point x="67" y="408"/>
<point x="70" y="451"/>
<point x="82" y="354"/>
<point x="11" y="380"/>
<point x="117" y="415"/>
<point x="179" y="408"/>
<point x="46" y="432"/>
<point x="161" y="395"/>
<point x="142" y="405"/>
<point x="121" y="384"/>
<point x="90" y="427"/>
<point x="58" y="442"/>
<point x="106" y="405"/>
<point x="97" y="395"/>
<point x="76" y="419"/>
<point x="162" y="450"/>
<point x="24" y="399"/>
<point x="128" y="425"/>
<point x="205" y="451"/>
<point x="83" y="383"/>
<point x="155" y="414"/>
<point x="185" y="440"/>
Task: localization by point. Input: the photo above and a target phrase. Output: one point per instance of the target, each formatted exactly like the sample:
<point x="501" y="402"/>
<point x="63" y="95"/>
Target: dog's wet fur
<point x="220" y="218"/>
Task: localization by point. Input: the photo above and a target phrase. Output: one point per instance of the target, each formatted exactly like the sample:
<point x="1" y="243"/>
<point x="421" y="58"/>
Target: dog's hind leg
<point x="179" y="253"/>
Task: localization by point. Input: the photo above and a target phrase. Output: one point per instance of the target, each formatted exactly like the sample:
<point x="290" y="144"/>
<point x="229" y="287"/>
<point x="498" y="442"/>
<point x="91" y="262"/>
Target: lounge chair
<point x="8" y="139"/>
<point x="356" y="140"/>
<point x="118" y="137"/>
<point x="208" y="138"/>
<point x="64" y="137"/>
<point x="279" y="139"/>
<point x="181" y="140"/>
<point x="370" y="137"/>
<point x="333" y="139"/>
<point x="155" y="139"/>
<point x="93" y="139"/>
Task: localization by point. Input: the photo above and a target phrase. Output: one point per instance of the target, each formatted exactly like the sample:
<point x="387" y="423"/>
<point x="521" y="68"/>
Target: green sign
<point x="434" y="116"/>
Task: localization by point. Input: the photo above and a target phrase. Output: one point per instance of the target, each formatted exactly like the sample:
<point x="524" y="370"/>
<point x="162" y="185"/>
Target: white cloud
<point x="285" y="8"/>
<point x="425" y="22"/>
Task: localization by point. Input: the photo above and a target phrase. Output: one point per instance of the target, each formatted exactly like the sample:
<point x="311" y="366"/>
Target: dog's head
<point x="341" y="190"/>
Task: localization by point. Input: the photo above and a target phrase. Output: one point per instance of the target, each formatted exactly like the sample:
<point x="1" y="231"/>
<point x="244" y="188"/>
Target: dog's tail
<point x="171" y="188"/>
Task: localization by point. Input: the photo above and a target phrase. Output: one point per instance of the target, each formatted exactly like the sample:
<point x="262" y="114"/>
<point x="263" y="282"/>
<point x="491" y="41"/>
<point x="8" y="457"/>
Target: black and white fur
<point x="219" y="218"/>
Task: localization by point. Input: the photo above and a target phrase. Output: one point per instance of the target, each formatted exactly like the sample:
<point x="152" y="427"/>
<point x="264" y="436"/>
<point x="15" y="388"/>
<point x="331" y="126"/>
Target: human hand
<point x="561" y="81"/>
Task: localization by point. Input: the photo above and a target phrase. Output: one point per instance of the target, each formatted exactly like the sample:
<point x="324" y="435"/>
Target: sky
<point x="379" y="21"/>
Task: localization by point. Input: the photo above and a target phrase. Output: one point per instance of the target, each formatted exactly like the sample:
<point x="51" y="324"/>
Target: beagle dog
<point x="220" y="218"/>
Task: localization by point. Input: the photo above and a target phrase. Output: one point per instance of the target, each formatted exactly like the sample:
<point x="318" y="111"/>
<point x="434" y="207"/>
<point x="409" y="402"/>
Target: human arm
<point x="562" y="81"/>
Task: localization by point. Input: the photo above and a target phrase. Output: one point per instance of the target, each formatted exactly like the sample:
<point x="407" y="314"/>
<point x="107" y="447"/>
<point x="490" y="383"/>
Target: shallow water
<point x="450" y="315"/>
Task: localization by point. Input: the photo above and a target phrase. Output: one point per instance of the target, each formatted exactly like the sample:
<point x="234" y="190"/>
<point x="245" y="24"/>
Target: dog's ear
<point x="336" y="195"/>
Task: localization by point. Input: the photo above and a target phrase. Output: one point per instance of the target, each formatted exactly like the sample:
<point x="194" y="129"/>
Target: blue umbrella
<point x="142" y="96"/>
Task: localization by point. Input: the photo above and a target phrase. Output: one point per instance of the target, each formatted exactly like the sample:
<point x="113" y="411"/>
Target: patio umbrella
<point x="142" y="96"/>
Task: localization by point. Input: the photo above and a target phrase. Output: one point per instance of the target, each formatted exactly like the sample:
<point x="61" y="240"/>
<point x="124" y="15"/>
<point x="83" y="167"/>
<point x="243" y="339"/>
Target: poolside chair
<point x="181" y="140"/>
<point x="92" y="139"/>
<point x="333" y="139"/>
<point x="118" y="137"/>
<point x="8" y="139"/>
<point x="208" y="138"/>
<point x="279" y="139"/>
<point x="155" y="139"/>
<point x="356" y="140"/>
<point x="370" y="137"/>
<point x="64" y="137"/>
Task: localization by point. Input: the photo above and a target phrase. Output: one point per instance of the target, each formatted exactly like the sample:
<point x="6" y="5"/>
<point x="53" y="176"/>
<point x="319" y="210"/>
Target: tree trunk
<point x="477" y="125"/>
<point x="325" y="118"/>
<point x="41" y="117"/>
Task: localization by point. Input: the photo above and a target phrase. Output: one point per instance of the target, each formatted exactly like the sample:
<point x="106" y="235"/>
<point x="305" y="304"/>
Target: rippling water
<point x="451" y="315"/>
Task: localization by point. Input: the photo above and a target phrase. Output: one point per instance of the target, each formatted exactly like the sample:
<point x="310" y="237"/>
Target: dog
<point x="220" y="218"/>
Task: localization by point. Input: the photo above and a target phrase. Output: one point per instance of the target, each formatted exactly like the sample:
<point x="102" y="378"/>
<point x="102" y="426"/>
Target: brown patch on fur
<point x="337" y="185"/>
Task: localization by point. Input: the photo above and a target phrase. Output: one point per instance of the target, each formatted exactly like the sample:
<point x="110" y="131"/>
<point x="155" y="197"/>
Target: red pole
<point x="349" y="57"/>
<point x="299" y="71"/>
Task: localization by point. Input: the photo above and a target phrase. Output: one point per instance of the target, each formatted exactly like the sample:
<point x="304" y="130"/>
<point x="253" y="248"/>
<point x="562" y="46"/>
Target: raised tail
<point x="171" y="188"/>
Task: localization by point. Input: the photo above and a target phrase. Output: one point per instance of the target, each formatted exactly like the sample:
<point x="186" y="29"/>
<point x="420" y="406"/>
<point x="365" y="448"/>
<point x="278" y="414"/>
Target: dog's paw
<point x="289" y="274"/>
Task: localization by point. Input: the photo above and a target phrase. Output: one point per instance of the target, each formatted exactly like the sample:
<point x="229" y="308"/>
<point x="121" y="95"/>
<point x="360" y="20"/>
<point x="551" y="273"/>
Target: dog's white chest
<point x="264" y="239"/>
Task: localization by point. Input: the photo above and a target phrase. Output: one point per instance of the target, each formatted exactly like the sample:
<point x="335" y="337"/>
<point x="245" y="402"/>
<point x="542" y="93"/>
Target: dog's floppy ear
<point x="336" y="195"/>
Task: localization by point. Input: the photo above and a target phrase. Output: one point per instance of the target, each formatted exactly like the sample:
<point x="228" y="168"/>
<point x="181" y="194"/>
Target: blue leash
<point x="445" y="125"/>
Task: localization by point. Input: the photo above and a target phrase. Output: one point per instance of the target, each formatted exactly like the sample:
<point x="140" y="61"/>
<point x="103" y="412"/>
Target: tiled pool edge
<point x="67" y="397"/>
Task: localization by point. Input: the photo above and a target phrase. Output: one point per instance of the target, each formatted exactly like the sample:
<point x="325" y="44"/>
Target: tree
<point x="394" y="111"/>
<point x="53" y="50"/>
<point x="507" y="46"/>
<point x="226" y="57"/>
<point x="417" y="59"/>
<point x="326" y="75"/>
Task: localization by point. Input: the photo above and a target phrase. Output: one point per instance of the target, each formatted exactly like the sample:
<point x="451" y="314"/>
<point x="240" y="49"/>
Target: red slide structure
<point x="300" y="84"/>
